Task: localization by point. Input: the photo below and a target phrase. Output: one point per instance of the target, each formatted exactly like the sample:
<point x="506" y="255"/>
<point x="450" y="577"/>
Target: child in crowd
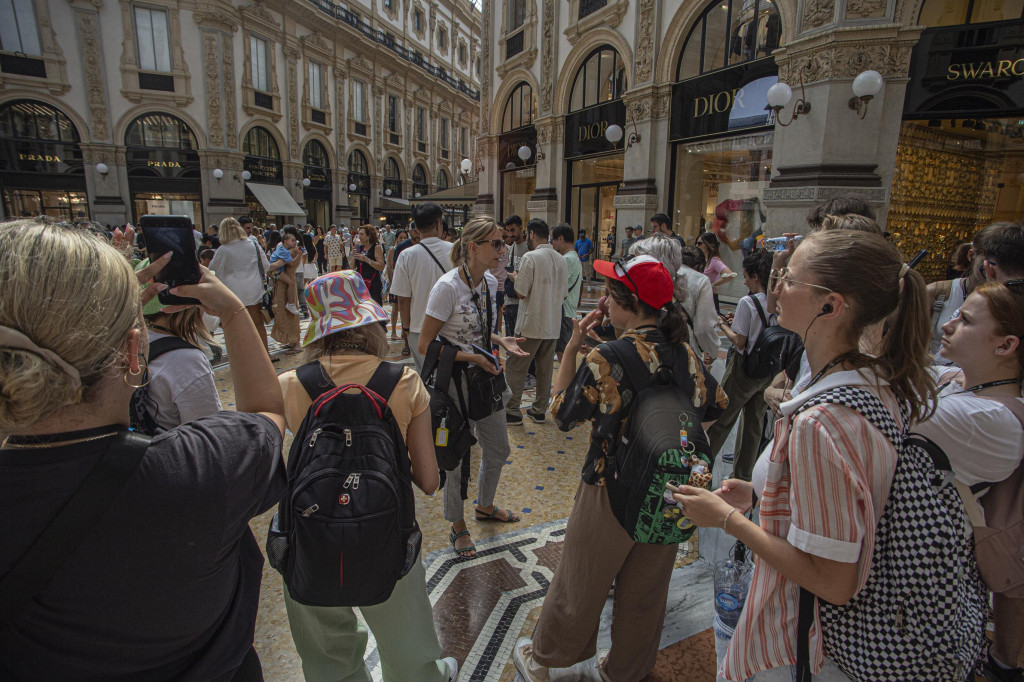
<point x="279" y="260"/>
<point x="205" y="256"/>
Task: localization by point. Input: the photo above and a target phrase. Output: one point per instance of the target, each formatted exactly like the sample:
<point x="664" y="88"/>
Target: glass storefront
<point x="41" y="165"/>
<point x="517" y="186"/>
<point x="317" y="196"/>
<point x="163" y="168"/>
<point x="359" y="187"/>
<point x="593" y="184"/>
<point x="518" y="175"/>
<point x="960" y="156"/>
<point x="263" y="163"/>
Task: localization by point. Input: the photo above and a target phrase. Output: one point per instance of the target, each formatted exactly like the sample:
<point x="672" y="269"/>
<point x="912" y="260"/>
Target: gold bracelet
<point x="726" y="521"/>
<point x="224" y="323"/>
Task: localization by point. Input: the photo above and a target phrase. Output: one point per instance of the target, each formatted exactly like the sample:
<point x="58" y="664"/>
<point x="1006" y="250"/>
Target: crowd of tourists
<point x="877" y="474"/>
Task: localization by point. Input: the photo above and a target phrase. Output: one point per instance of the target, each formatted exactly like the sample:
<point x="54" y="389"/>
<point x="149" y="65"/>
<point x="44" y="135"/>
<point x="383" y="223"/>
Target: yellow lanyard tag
<point x="441" y="438"/>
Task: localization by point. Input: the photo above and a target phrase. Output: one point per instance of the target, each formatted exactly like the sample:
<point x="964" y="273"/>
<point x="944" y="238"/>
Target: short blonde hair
<point x="71" y="293"/>
<point x="231" y="230"/>
<point x="475" y="231"/>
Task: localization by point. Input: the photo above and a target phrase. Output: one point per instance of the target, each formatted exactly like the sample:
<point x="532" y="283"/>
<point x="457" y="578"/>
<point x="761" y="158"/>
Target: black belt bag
<point x="484" y="392"/>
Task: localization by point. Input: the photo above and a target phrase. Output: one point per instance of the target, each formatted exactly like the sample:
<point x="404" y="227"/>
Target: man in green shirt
<point x="561" y="240"/>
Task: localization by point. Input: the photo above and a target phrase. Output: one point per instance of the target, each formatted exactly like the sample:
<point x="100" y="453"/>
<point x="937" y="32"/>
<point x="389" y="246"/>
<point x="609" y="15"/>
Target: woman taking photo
<point x="369" y="259"/>
<point x="982" y="437"/>
<point x="597" y="550"/>
<point x="823" y="487"/>
<point x="167" y="587"/>
<point x="239" y="263"/>
<point x="344" y="339"/>
<point x="460" y="304"/>
<point x="716" y="270"/>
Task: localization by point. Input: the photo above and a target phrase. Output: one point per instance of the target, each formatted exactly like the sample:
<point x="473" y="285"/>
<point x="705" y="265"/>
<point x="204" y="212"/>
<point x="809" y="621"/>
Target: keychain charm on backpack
<point x="441" y="438"/>
<point x="684" y="442"/>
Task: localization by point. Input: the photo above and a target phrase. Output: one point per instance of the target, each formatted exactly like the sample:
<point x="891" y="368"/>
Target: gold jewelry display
<point x="57" y="444"/>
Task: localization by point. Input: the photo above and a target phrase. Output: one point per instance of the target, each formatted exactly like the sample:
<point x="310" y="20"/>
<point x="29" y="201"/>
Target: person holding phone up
<point x="458" y="308"/>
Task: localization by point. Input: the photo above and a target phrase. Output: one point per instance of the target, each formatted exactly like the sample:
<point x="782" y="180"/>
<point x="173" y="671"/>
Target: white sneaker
<point x="292" y="309"/>
<point x="453" y="668"/>
<point x="522" y="657"/>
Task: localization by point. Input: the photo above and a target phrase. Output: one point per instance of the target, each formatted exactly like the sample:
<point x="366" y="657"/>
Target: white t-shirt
<point x="182" y="384"/>
<point x="416" y="273"/>
<point x="746" y="322"/>
<point x="983" y="440"/>
<point x="452" y="301"/>
<point x="542" y="281"/>
<point x="235" y="264"/>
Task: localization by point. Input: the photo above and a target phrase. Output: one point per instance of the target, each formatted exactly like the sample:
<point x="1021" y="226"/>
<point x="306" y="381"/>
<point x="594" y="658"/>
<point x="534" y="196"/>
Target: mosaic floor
<point x="481" y="606"/>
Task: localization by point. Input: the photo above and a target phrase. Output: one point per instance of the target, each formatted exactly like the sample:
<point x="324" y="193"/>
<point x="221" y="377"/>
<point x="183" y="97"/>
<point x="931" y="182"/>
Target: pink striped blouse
<point x="828" y="480"/>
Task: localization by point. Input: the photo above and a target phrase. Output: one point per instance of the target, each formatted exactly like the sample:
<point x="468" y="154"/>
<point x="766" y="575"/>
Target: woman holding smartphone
<point x="369" y="258"/>
<point x="460" y="304"/>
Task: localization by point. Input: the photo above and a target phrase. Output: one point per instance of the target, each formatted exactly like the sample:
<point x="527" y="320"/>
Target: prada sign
<point x="724" y="102"/>
<point x="584" y="130"/>
<point x="167" y="164"/>
<point x="50" y="158"/>
<point x="967" y="71"/>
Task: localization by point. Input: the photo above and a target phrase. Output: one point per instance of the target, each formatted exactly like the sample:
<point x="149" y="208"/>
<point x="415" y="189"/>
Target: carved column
<point x="829" y="151"/>
<point x="639" y="196"/>
<point x="548" y="200"/>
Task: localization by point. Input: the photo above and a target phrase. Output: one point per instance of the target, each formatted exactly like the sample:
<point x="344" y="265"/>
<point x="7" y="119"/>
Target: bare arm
<point x="421" y="453"/>
<point x="737" y="340"/>
<point x="404" y="303"/>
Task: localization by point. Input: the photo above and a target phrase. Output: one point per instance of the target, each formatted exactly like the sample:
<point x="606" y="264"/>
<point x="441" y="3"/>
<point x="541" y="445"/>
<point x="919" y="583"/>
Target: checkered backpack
<point x="921" y="615"/>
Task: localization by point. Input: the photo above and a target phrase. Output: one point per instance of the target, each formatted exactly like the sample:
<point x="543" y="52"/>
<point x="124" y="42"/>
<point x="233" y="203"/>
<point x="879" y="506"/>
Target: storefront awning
<point x="460" y="195"/>
<point x="390" y="204"/>
<point x="275" y="199"/>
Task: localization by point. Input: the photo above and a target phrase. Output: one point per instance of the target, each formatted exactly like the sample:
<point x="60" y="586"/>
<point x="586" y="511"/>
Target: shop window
<point x="602" y="78"/>
<point x="419" y="181"/>
<point x="515" y="15"/>
<point x="160" y="131"/>
<point x="954" y="12"/>
<point x="18" y="30"/>
<point x="730" y="33"/>
<point x="444" y="138"/>
<point x="152" y="39"/>
<point x="392" y="178"/>
<point x="36" y="121"/>
<point x="359" y="114"/>
<point x="259" y="142"/>
<point x="518" y="108"/>
<point x="315" y="154"/>
<point x="259" y="55"/>
<point x="442" y="179"/>
<point x="359" y="176"/>
<point x="394" y="120"/>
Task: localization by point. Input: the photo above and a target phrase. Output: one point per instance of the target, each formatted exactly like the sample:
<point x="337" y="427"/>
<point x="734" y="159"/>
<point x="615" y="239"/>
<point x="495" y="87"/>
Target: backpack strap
<point x="385" y="379"/>
<point x="23" y="582"/>
<point x="166" y="344"/>
<point x="967" y="493"/>
<point x="760" y="313"/>
<point x="635" y="372"/>
<point x="314" y="379"/>
<point x="872" y="409"/>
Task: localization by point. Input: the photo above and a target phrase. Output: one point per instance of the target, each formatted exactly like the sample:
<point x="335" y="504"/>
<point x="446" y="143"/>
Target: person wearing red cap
<point x="597" y="550"/>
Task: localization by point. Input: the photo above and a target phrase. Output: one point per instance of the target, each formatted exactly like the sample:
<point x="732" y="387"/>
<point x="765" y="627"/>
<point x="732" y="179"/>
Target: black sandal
<point x="493" y="516"/>
<point x="462" y="551"/>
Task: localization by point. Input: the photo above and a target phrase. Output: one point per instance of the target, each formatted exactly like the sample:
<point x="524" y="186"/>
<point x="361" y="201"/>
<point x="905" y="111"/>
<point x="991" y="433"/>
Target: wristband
<point x="726" y="521"/>
<point x="224" y="322"/>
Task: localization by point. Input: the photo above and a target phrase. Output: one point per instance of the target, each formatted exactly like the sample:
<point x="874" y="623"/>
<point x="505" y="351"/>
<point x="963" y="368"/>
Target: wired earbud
<point x="826" y="309"/>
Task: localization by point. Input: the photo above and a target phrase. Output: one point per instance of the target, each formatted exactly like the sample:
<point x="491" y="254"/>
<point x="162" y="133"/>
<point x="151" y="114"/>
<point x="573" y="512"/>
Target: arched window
<point x="518" y="108"/>
<point x="357" y="163"/>
<point x="392" y="178"/>
<point x="954" y="12"/>
<point x="315" y="154"/>
<point x="442" y="179"/>
<point x="160" y="131"/>
<point x="28" y="120"/>
<point x="602" y="78"/>
<point x="419" y="181"/>
<point x="729" y="33"/>
<point x="259" y="142"/>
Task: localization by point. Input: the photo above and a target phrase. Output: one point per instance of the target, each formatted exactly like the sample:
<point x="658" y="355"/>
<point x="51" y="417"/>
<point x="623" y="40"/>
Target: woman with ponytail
<point x="597" y="550"/>
<point x="824" y="484"/>
<point x="458" y="309"/>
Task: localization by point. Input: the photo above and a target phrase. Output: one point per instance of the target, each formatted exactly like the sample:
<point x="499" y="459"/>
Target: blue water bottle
<point x="732" y="581"/>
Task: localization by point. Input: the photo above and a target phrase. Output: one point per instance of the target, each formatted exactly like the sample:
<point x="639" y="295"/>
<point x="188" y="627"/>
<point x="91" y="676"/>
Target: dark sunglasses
<point x="496" y="244"/>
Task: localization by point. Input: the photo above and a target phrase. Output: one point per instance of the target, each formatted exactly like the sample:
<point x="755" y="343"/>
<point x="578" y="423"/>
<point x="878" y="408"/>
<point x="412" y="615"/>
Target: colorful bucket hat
<point x="338" y="301"/>
<point x="645" y="276"/>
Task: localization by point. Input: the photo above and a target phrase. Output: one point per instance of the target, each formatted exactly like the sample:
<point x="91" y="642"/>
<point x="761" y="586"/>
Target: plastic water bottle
<point x="732" y="581"/>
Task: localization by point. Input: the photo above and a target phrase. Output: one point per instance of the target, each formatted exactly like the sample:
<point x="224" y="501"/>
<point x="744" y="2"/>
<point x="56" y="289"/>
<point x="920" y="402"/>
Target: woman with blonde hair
<point x="156" y="574"/>
<point x="240" y="264"/>
<point x="460" y="305"/>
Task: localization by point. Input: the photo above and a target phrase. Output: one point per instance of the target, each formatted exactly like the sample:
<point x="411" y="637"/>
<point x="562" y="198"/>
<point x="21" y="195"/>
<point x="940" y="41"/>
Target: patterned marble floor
<point x="482" y="606"/>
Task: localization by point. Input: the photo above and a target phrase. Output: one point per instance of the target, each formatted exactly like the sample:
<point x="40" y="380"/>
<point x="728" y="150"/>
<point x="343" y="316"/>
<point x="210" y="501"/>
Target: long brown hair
<point x="869" y="273"/>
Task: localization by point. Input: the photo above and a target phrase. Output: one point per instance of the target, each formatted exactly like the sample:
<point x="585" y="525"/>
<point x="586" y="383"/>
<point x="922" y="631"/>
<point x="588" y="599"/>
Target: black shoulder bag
<point x="452" y="436"/>
<point x="485" y="389"/>
<point x="20" y="586"/>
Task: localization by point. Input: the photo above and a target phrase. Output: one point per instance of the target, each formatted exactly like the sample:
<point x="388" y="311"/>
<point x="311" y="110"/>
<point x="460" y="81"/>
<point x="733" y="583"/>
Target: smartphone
<point x="172" y="233"/>
<point x="481" y="351"/>
<point x="781" y="243"/>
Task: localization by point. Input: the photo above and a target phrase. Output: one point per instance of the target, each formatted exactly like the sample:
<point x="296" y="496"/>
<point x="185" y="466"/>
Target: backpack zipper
<point x="309" y="512"/>
<point x="348" y="436"/>
<point x="312" y="440"/>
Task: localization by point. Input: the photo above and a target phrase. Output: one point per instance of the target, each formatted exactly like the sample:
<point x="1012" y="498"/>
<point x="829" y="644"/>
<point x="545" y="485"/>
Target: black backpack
<point x="346" y="530"/>
<point x="773" y="350"/>
<point x="452" y="435"/>
<point x="650" y="452"/>
<point x="143" y="409"/>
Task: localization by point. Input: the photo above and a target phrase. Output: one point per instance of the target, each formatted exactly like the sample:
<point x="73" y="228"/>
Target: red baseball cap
<point x="645" y="276"/>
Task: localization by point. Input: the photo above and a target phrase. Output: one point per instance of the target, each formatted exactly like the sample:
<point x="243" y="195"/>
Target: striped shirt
<point x="828" y="480"/>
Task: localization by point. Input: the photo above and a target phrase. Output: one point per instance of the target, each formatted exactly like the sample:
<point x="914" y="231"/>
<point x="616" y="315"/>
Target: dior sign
<point x="723" y="102"/>
<point x="585" y="130"/>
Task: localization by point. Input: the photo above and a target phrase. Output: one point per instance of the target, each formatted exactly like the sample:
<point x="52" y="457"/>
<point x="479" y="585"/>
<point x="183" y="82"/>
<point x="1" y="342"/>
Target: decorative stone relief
<point x="216" y="19"/>
<point x="93" y="68"/>
<point x="342" y="120"/>
<point x="551" y="130"/>
<point x="817" y="13"/>
<point x="874" y="195"/>
<point x="485" y="76"/>
<point x="547" y="57"/>
<point x="639" y="109"/>
<point x="865" y="9"/>
<point x="378" y="138"/>
<point x="889" y="57"/>
<point x="229" y="93"/>
<point x="316" y="39"/>
<point x="293" y="99"/>
<point x="635" y="201"/>
<point x="211" y="68"/>
<point x="608" y="16"/>
<point x="662" y="106"/>
<point x="258" y="10"/>
<point x="645" y="41"/>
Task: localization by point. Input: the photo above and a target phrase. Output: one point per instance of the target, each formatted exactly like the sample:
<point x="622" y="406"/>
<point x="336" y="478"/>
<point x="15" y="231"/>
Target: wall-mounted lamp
<point x="466" y="166"/>
<point x="866" y="85"/>
<point x="352" y="187"/>
<point x="218" y="173"/>
<point x="246" y="175"/>
<point x="305" y="182"/>
<point x="779" y="95"/>
<point x="387" y="192"/>
<point x="510" y="166"/>
<point x="525" y="153"/>
<point x="102" y="168"/>
<point x="419" y="194"/>
<point x="614" y="134"/>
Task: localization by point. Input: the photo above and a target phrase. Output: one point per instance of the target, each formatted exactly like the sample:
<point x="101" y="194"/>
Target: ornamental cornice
<point x="846" y="52"/>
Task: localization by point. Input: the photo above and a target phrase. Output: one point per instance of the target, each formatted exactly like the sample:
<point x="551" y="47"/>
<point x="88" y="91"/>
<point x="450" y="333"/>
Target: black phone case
<point x="191" y="256"/>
